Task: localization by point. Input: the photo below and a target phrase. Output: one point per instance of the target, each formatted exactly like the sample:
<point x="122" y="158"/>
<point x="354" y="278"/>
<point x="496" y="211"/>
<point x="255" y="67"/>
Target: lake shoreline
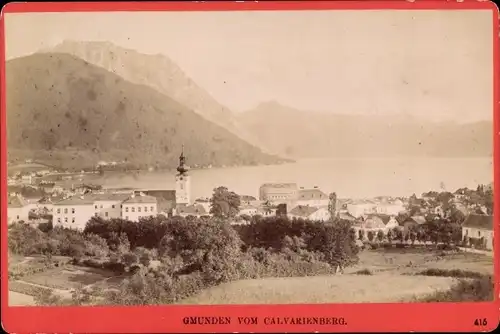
<point x="348" y="178"/>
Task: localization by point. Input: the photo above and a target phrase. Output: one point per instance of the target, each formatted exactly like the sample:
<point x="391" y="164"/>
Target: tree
<point x="380" y="235"/>
<point x="389" y="236"/>
<point x="224" y="203"/>
<point x="398" y="234"/>
<point x="413" y="237"/>
<point x="488" y="200"/>
<point x="129" y="259"/>
<point x="332" y="205"/>
<point x="457" y="216"/>
<point x="371" y="236"/>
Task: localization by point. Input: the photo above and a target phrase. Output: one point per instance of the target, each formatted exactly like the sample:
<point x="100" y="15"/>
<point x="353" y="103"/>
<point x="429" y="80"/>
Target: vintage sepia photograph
<point x="249" y="157"/>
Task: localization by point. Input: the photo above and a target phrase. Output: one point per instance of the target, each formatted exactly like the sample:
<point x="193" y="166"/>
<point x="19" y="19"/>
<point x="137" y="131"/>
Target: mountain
<point x="63" y="110"/>
<point x="156" y="71"/>
<point x="306" y="134"/>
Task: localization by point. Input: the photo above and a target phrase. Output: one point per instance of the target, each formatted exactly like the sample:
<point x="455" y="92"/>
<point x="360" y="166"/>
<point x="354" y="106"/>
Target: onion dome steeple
<point x="182" y="168"/>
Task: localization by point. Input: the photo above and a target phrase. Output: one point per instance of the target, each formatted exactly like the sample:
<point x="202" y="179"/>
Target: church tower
<point x="182" y="182"/>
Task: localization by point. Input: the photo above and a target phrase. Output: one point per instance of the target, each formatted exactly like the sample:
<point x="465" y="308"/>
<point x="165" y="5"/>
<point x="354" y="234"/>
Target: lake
<point x="353" y="178"/>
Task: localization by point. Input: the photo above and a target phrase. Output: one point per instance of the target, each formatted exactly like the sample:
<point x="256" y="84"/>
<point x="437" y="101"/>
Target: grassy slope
<point x="392" y="280"/>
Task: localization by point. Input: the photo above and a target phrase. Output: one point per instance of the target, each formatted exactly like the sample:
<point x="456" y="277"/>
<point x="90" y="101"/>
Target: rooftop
<point x="384" y="218"/>
<point x="484" y="222"/>
<point x="303" y="210"/>
<point x="104" y="197"/>
<point x="141" y="199"/>
<point x="279" y="185"/>
<point x="417" y="219"/>
<point x="76" y="200"/>
<point x="247" y="198"/>
<point x="310" y="194"/>
<point x="16" y="202"/>
<point x="159" y="193"/>
<point x="346" y="216"/>
<point x="197" y="209"/>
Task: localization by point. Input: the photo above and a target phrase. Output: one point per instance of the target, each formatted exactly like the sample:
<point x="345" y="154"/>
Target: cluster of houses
<point x="73" y="208"/>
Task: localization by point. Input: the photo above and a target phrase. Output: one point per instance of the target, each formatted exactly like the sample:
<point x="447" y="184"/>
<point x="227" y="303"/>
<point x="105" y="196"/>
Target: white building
<point x="73" y="212"/>
<point x="137" y="207"/>
<point x="361" y="209"/>
<point x="312" y="197"/>
<point x="278" y="193"/>
<point x="27" y="179"/>
<point x="109" y="206"/>
<point x="205" y="202"/>
<point x="479" y="227"/>
<point x="195" y="210"/>
<point x="310" y="213"/>
<point x="391" y="209"/>
<point x="17" y="209"/>
<point x="249" y="210"/>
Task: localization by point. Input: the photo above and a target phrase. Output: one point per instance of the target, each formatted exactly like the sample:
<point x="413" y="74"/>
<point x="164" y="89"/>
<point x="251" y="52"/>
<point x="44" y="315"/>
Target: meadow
<point x="207" y="261"/>
<point x="381" y="276"/>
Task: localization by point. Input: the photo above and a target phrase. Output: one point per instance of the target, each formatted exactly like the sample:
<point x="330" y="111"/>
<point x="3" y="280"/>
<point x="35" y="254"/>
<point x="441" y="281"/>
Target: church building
<point x="182" y="183"/>
<point x="170" y="200"/>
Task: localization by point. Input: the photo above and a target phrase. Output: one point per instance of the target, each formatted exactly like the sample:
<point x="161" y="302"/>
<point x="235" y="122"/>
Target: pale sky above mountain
<point x="432" y="64"/>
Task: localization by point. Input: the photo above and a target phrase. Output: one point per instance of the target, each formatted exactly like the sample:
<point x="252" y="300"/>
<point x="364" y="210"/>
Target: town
<point x="74" y="206"/>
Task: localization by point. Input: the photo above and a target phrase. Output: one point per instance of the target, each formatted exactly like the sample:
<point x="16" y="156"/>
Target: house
<point x="344" y="215"/>
<point x="479" y="227"/>
<point x="27" y="179"/>
<point x="250" y="210"/>
<point x="17" y="209"/>
<point x="73" y="212"/>
<point x="310" y="213"/>
<point x="277" y="193"/>
<point x="413" y="221"/>
<point x="47" y="203"/>
<point x="373" y="222"/>
<point x="205" y="202"/>
<point x="247" y="200"/>
<point x="392" y="223"/>
<point x="312" y="197"/>
<point x="165" y="199"/>
<point x="389" y="222"/>
<point x="361" y="209"/>
<point x="137" y="207"/>
<point x="108" y="206"/>
<point x="196" y="210"/>
<point x="392" y="209"/>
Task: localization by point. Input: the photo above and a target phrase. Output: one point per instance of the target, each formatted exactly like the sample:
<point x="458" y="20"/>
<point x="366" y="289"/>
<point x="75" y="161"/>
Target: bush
<point x="364" y="272"/>
<point x="459" y="273"/>
<point x="479" y="290"/>
<point x="335" y="240"/>
<point x="96" y="246"/>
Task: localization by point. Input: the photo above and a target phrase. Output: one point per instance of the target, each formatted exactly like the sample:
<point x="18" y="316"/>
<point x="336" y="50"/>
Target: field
<point x="321" y="289"/>
<point x="383" y="275"/>
<point x="392" y="278"/>
<point x="20" y="299"/>
<point x="69" y="277"/>
<point x="61" y="281"/>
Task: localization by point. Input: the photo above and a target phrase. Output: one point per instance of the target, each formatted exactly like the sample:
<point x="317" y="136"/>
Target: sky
<point x="436" y="65"/>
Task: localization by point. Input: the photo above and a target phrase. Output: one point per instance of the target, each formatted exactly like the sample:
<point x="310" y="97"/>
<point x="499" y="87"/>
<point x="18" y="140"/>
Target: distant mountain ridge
<point x="156" y="71"/>
<point x="61" y="108"/>
<point x="305" y="134"/>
